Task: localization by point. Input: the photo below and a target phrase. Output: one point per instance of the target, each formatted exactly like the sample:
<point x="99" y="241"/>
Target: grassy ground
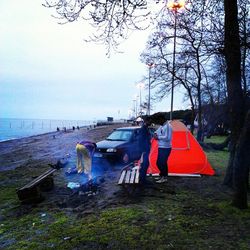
<point x="182" y="214"/>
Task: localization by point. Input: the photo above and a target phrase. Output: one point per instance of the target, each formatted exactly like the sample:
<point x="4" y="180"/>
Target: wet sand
<point x="47" y="148"/>
<point x="26" y="158"/>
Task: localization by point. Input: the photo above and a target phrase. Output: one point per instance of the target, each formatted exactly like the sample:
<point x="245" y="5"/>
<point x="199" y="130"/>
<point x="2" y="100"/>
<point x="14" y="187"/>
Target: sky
<point x="47" y="71"/>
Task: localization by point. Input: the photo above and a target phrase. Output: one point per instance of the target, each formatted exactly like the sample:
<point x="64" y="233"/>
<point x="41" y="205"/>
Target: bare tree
<point x="238" y="166"/>
<point x="192" y="54"/>
<point x="244" y="31"/>
<point x="113" y="20"/>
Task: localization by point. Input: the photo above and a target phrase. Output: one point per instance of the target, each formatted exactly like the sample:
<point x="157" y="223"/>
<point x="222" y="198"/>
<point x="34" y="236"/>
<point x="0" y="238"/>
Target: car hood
<point x="109" y="144"/>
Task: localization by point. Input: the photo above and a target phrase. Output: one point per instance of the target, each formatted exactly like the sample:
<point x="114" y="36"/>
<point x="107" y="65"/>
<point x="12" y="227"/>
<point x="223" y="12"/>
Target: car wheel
<point x="125" y="158"/>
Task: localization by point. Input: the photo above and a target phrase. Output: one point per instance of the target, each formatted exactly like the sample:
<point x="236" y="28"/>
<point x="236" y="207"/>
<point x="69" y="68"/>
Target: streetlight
<point x="150" y="65"/>
<point x="140" y="86"/>
<point x="174" y="6"/>
<point x="134" y="107"/>
<point x="135" y="104"/>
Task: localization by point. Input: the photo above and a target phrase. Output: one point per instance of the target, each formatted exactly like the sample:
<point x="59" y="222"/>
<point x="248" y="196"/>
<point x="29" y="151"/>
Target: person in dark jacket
<point x="145" y="143"/>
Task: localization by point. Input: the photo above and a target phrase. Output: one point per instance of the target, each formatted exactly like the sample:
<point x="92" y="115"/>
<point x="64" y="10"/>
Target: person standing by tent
<point x="145" y="138"/>
<point x="164" y="137"/>
<point x="84" y="151"/>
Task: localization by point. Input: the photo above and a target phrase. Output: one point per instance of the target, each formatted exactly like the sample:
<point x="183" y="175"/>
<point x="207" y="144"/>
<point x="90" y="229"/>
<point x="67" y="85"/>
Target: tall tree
<point x="241" y="165"/>
<point x="193" y="54"/>
<point x="244" y="29"/>
<point x="236" y="175"/>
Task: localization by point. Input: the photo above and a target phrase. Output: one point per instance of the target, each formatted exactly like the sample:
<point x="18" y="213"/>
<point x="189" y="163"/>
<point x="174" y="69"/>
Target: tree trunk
<point x="192" y="118"/>
<point x="244" y="47"/>
<point x="199" y="136"/>
<point x="241" y="166"/>
<point x="233" y="79"/>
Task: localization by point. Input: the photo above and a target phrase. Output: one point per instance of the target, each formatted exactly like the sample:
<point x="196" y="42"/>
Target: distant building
<point x="110" y="119"/>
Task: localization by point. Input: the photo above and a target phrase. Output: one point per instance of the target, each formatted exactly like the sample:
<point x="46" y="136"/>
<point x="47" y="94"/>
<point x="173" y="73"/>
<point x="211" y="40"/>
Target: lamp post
<point x="150" y="65"/>
<point x="140" y="86"/>
<point x="174" y="6"/>
<point x="135" y="104"/>
<point x="135" y="111"/>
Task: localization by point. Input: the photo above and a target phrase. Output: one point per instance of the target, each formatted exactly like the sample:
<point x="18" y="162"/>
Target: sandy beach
<point x="47" y="148"/>
<point x="24" y="159"/>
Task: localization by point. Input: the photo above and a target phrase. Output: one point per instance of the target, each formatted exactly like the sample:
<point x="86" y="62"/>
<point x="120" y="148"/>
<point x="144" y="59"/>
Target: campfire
<point x="89" y="188"/>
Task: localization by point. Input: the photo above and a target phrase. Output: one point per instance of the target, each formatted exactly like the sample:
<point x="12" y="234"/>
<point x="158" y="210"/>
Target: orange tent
<point x="187" y="156"/>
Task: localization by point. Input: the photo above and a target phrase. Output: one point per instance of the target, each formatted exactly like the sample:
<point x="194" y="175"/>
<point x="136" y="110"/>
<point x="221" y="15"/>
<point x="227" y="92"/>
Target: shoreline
<point x="44" y="149"/>
<point x="65" y="129"/>
<point x="51" y="132"/>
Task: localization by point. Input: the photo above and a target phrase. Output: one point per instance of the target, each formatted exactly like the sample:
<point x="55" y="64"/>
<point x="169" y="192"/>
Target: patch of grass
<point x="20" y="176"/>
<point x="215" y="139"/>
<point x="227" y="210"/>
<point x="181" y="223"/>
<point x="7" y="194"/>
<point x="218" y="159"/>
<point x="8" y="200"/>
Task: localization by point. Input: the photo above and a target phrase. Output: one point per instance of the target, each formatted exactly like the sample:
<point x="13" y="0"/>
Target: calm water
<point x="19" y="128"/>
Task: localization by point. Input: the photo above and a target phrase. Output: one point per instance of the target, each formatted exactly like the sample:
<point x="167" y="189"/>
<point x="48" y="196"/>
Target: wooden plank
<point x="132" y="176"/>
<point x="179" y="175"/>
<point x="122" y="177"/>
<point x="127" y="176"/>
<point x="39" y="178"/>
<point x="137" y="175"/>
<point x="184" y="175"/>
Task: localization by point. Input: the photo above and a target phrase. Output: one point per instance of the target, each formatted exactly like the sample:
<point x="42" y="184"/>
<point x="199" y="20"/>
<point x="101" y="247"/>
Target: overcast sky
<point x="48" y="71"/>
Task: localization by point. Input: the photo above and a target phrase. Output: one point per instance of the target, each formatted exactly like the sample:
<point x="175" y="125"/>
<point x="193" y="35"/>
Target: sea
<point x="11" y="128"/>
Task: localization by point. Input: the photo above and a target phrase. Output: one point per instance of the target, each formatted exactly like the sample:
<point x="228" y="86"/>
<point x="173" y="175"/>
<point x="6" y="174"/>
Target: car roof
<point x="128" y="128"/>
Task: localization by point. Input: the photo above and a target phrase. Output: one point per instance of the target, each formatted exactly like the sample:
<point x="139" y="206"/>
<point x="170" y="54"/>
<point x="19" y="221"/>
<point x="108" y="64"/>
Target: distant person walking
<point x="84" y="151"/>
<point x="164" y="136"/>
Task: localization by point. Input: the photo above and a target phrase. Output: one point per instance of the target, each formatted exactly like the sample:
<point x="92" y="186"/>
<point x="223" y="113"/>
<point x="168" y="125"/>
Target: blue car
<point x="121" y="146"/>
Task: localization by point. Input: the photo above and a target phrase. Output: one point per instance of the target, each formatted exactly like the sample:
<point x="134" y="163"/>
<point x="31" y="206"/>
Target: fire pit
<point x="89" y="188"/>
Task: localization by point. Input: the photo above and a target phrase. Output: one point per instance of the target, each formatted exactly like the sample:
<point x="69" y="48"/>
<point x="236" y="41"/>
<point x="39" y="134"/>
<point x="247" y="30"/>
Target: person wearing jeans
<point x="164" y="136"/>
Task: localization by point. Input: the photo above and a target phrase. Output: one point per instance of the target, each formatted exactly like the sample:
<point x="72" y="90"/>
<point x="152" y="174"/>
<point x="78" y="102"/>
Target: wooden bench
<point x="129" y="175"/>
<point x="31" y="192"/>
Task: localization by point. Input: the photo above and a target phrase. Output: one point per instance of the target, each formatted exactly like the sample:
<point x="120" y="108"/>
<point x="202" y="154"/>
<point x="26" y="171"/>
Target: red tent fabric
<point x="187" y="156"/>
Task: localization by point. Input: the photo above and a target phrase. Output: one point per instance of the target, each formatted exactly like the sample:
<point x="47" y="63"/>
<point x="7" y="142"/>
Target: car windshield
<point x="120" y="135"/>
